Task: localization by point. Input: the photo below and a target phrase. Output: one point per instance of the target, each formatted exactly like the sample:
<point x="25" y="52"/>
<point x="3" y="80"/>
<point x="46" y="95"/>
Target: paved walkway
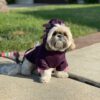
<point x="14" y="88"/>
<point x="85" y="64"/>
<point x="84" y="68"/>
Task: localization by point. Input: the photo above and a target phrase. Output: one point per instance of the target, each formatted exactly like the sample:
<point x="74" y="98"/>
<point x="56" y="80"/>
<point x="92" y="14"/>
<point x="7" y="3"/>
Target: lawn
<point x="20" y="28"/>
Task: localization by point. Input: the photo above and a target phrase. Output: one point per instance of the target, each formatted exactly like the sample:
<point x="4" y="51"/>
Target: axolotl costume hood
<point x="44" y="59"/>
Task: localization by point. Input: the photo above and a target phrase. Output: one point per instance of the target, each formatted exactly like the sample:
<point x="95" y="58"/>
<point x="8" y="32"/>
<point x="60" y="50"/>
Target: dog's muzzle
<point x="58" y="43"/>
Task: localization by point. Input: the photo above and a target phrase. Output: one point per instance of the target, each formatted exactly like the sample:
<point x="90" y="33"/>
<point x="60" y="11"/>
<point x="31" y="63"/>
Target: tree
<point x="3" y="6"/>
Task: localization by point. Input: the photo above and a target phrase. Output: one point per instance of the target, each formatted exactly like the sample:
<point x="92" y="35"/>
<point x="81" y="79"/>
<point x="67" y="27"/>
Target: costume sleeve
<point x="42" y="64"/>
<point x="62" y="66"/>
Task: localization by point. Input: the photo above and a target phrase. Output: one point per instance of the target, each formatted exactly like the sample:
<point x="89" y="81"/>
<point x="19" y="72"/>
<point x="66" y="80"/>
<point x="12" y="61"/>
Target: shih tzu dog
<point x="49" y="57"/>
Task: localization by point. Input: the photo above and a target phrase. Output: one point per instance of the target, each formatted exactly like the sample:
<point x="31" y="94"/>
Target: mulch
<point x="87" y="40"/>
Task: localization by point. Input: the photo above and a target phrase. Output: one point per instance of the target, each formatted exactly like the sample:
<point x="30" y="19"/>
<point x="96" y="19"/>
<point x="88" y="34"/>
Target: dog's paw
<point x="45" y="79"/>
<point x="46" y="75"/>
<point x="61" y="74"/>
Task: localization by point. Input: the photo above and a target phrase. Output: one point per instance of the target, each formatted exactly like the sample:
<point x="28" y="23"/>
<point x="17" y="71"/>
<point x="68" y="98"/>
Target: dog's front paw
<point x="45" y="79"/>
<point x="46" y="75"/>
<point x="61" y="74"/>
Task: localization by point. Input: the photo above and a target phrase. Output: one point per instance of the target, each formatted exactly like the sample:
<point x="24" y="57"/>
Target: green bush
<point x="72" y="1"/>
<point x="86" y="1"/>
<point x="91" y="1"/>
<point x="10" y="1"/>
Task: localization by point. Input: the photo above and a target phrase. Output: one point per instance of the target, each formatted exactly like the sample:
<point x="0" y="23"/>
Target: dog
<point x="49" y="57"/>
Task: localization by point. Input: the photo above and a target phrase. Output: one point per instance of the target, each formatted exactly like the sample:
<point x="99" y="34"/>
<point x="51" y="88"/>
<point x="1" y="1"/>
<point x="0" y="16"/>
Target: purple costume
<point x="45" y="59"/>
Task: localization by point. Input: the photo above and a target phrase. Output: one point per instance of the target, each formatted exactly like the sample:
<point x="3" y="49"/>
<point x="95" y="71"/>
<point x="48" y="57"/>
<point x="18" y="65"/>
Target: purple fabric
<point x="51" y="24"/>
<point x="44" y="59"/>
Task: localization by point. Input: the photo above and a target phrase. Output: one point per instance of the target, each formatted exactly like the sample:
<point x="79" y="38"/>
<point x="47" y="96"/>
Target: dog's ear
<point x="72" y="46"/>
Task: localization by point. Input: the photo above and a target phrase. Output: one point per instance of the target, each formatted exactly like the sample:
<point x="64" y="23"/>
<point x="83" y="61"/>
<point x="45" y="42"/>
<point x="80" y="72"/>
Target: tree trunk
<point x="3" y="6"/>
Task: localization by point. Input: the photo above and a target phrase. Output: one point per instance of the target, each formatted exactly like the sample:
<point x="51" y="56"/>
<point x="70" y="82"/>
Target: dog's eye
<point x="55" y="33"/>
<point x="65" y="34"/>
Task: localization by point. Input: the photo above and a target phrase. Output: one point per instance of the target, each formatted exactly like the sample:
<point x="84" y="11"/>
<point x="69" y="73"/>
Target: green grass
<point x="82" y="19"/>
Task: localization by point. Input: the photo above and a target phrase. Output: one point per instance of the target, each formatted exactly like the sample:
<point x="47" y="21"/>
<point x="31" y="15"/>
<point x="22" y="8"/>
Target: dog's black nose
<point x="59" y="35"/>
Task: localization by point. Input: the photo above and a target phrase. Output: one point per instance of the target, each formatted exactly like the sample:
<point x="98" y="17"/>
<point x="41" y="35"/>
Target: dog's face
<point x="60" y="39"/>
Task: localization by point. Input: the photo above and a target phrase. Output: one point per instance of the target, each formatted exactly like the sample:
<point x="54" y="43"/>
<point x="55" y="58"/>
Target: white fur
<point x="46" y="75"/>
<point x="64" y="28"/>
<point x="26" y="70"/>
<point x="61" y="74"/>
<point x="26" y="67"/>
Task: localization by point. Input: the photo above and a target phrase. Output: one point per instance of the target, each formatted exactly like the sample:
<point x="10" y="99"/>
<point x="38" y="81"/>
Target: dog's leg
<point x="26" y="68"/>
<point x="61" y="74"/>
<point x="46" y="75"/>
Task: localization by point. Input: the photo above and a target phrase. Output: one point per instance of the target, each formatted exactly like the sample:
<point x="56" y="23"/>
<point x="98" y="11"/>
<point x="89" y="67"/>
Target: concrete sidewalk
<point x="14" y="88"/>
<point x="84" y="66"/>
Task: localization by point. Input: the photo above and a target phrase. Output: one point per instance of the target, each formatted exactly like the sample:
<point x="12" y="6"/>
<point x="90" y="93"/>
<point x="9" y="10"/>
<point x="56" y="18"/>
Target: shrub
<point x="91" y="1"/>
<point x="51" y="1"/>
<point x="86" y="1"/>
<point x="10" y="1"/>
<point x="72" y="1"/>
